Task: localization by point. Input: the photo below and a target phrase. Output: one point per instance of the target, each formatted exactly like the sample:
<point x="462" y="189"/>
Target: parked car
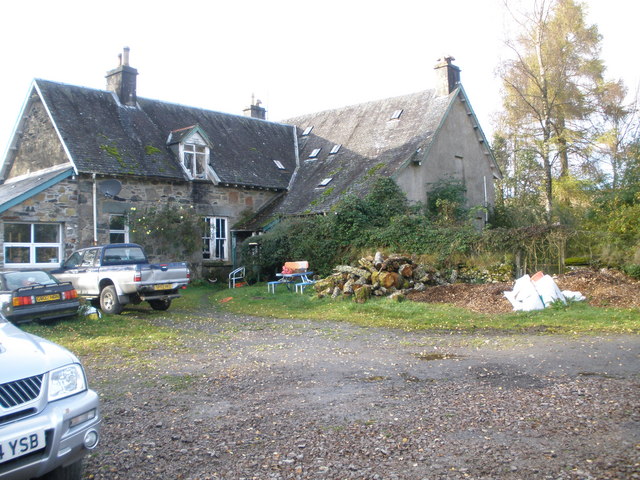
<point x="49" y="418"/>
<point x="114" y="275"/>
<point x="36" y="295"/>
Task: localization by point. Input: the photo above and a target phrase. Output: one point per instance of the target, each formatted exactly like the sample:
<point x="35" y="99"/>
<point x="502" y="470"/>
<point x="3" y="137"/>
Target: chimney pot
<point x="125" y="56"/>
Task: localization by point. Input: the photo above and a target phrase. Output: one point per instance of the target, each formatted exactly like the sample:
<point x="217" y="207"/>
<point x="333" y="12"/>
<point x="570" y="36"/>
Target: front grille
<point x="22" y="391"/>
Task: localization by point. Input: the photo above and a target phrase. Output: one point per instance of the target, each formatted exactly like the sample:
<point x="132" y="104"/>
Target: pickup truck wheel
<point x="70" y="472"/>
<point x="160" y="304"/>
<point x="109" y="302"/>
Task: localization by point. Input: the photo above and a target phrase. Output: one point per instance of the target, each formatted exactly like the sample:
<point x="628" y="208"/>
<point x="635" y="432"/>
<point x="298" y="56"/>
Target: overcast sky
<point x="296" y="56"/>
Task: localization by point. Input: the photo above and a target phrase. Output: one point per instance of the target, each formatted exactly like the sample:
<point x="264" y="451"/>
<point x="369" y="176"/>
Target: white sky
<point x="296" y="56"/>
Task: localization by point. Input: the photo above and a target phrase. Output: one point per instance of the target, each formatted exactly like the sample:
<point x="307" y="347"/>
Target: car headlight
<point x="66" y="381"/>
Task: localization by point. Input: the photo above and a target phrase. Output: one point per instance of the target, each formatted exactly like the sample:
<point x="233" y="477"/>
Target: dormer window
<point x="195" y="159"/>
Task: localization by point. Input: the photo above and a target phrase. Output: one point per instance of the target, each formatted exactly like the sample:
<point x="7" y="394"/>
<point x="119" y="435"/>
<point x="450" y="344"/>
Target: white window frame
<point x="216" y="238"/>
<point x="315" y="152"/>
<point x="32" y="246"/>
<point x="192" y="156"/>
<point x="115" y="231"/>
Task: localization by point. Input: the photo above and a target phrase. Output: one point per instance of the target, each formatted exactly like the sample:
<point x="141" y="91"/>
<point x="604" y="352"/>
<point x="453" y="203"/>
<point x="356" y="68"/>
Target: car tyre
<point x="70" y="472"/>
<point x="160" y="304"/>
<point x="109" y="302"/>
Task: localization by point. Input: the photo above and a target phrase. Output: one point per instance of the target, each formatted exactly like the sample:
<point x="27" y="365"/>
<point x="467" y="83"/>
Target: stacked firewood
<point x="393" y="276"/>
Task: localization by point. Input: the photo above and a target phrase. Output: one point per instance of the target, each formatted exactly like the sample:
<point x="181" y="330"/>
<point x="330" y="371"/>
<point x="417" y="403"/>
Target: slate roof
<point x="372" y="144"/>
<point x="104" y="137"/>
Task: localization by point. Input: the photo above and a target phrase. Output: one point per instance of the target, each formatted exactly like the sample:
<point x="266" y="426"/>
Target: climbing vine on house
<point x="169" y="231"/>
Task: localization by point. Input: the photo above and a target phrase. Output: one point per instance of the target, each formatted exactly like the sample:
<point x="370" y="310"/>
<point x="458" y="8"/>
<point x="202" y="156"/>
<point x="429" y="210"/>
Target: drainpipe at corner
<point x="95" y="210"/>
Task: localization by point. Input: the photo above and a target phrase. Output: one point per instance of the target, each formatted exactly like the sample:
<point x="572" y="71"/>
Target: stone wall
<point x="39" y="146"/>
<point x="70" y="203"/>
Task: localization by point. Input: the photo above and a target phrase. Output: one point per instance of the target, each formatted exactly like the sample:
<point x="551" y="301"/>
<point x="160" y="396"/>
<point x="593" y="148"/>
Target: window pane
<point x="201" y="149"/>
<point x="220" y="249"/>
<point x="16" y="254"/>
<point x="46" y="233"/>
<point x="188" y="161"/>
<point x="115" y="237"/>
<point x="116" y="222"/>
<point x="47" y="255"/>
<point x="17" y="232"/>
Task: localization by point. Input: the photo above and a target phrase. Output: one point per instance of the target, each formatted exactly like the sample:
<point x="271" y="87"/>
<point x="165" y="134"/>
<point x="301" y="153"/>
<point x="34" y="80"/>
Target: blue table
<point x="301" y="280"/>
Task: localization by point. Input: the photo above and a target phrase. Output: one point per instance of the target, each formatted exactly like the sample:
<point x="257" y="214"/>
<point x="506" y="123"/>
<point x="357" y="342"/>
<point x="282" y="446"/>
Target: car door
<point x="87" y="283"/>
<point x="68" y="272"/>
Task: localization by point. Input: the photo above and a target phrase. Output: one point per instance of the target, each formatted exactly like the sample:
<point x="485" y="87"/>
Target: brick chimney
<point x="122" y="80"/>
<point x="255" y="110"/>
<point x="447" y="76"/>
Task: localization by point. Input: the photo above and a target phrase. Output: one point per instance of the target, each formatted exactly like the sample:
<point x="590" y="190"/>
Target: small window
<point x="396" y="115"/>
<point x="118" y="229"/>
<point x="335" y="149"/>
<point x="307" y="131"/>
<point x="314" y="153"/>
<point x="279" y="164"/>
<point x="325" y="182"/>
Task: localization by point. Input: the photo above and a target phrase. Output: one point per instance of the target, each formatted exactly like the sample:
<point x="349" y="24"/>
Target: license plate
<point x="163" y="286"/>
<point x="16" y="447"/>
<point x="48" y="298"/>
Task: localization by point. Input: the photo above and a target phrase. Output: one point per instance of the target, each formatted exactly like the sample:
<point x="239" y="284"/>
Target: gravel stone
<point x="255" y="398"/>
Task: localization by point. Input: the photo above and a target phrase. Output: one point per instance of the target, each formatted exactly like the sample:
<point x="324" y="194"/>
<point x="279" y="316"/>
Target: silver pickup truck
<point x="117" y="274"/>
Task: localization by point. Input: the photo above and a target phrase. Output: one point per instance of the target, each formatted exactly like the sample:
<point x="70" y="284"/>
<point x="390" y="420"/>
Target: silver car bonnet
<point x="24" y="355"/>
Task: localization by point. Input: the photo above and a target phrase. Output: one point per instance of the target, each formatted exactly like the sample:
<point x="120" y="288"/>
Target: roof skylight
<point x="307" y="131"/>
<point x="325" y="182"/>
<point x="335" y="149"/>
<point x="396" y="115"/>
<point x="314" y="153"/>
<point x="279" y="164"/>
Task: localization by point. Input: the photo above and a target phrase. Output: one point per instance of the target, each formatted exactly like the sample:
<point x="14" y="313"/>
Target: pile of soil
<point x="603" y="288"/>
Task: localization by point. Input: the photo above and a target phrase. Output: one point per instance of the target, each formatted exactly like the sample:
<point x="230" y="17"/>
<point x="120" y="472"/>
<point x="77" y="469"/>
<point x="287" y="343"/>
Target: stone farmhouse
<point x="80" y="159"/>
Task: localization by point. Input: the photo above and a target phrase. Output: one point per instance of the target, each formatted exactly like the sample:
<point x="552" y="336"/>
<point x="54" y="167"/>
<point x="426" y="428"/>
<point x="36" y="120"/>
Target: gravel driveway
<point x="255" y="398"/>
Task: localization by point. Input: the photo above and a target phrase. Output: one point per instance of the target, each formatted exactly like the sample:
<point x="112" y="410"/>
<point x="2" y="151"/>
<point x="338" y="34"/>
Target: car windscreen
<point x="14" y="280"/>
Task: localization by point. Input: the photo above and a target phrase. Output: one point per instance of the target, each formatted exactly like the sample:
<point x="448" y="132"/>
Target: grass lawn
<point x="132" y="333"/>
<point x="576" y="317"/>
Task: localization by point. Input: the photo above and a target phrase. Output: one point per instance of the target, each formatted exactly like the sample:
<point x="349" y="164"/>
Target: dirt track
<point x="256" y="398"/>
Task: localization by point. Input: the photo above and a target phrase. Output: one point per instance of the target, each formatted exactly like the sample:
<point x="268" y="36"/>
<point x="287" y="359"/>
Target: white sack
<point x="575" y="296"/>
<point x="524" y="296"/>
<point x="548" y="290"/>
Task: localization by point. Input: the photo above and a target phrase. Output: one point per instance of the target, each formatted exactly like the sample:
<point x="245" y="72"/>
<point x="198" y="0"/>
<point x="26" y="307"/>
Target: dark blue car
<point x="36" y="295"/>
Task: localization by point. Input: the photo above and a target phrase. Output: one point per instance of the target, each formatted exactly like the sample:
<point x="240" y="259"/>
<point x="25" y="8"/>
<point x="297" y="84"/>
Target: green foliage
<point x="633" y="271"/>
<point x="446" y="199"/>
<point x="380" y="220"/>
<point x="169" y="231"/>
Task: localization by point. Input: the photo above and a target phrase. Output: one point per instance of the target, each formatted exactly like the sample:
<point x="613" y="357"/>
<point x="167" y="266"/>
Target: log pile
<point x="393" y="276"/>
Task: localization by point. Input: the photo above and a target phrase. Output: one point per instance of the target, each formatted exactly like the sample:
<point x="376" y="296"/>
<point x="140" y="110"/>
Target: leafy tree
<point x="550" y="82"/>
